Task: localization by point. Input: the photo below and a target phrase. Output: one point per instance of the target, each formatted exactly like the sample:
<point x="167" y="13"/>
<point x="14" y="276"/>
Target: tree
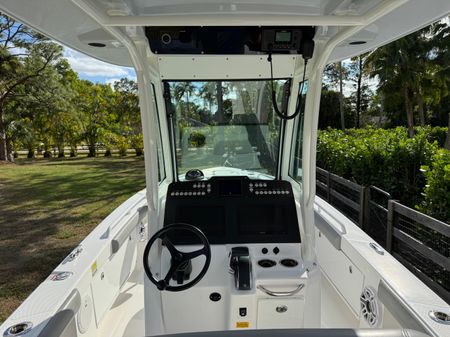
<point x="447" y="138"/>
<point x="93" y="103"/>
<point x="402" y="67"/>
<point x="126" y="108"/>
<point x="336" y="74"/>
<point x="184" y="89"/>
<point x="47" y="101"/>
<point x="361" y="97"/>
<point x="24" y="55"/>
<point x="441" y="36"/>
<point x="329" y="116"/>
<point x="66" y="128"/>
<point x="207" y="93"/>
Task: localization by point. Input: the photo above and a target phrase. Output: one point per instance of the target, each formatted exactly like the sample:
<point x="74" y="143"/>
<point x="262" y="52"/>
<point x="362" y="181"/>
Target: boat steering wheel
<point x="177" y="257"/>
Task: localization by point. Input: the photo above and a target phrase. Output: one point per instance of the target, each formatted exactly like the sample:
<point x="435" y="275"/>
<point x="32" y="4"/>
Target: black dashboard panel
<point x="234" y="210"/>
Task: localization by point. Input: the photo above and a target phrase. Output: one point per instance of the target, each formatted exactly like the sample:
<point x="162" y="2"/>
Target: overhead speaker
<point x="166" y="38"/>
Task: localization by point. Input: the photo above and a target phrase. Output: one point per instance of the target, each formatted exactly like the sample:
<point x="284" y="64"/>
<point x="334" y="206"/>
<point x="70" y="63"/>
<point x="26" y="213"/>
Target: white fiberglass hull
<point x="104" y="294"/>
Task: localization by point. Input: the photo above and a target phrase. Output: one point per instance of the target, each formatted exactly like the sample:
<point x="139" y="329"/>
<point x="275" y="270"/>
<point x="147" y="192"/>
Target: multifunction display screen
<point x="283" y="37"/>
<point x="230" y="187"/>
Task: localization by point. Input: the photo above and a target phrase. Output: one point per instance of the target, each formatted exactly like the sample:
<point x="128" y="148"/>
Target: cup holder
<point x="18" y="329"/>
<point x="440" y="317"/>
<point x="289" y="263"/>
<point x="266" y="263"/>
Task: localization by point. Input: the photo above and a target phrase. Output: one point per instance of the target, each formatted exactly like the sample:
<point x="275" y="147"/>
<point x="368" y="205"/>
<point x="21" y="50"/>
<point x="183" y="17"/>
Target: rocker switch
<point x="242" y="312"/>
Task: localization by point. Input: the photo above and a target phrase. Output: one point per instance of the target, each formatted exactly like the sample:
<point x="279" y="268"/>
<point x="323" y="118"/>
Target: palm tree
<point x="184" y="89"/>
<point x="207" y="93"/>
<point x="441" y="34"/>
<point x="400" y="67"/>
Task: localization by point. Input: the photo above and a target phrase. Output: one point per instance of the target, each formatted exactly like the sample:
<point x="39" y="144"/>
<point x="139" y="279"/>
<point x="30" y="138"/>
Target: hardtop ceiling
<point x="68" y="21"/>
<point x="289" y="7"/>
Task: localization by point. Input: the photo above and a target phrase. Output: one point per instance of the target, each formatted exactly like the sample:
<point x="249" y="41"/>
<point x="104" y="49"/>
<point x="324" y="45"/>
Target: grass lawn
<point x="47" y="207"/>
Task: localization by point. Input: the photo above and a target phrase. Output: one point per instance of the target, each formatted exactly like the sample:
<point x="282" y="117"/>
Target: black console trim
<point x="234" y="210"/>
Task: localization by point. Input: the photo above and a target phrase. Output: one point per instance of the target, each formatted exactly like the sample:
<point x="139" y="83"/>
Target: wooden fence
<point x="342" y="193"/>
<point x="418" y="241"/>
<point x="421" y="243"/>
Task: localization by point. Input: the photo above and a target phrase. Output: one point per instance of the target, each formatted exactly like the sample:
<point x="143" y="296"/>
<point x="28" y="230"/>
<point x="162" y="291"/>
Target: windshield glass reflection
<point x="226" y="124"/>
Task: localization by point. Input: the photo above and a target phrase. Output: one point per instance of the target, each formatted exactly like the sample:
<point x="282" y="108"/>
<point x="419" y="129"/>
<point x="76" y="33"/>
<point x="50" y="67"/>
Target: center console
<point x="257" y="278"/>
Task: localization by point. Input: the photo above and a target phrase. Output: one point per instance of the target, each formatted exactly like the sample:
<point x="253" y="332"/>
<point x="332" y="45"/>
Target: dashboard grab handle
<point x="281" y="293"/>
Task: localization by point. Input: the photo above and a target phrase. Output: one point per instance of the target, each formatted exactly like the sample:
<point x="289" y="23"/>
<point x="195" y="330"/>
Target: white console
<point x="275" y="300"/>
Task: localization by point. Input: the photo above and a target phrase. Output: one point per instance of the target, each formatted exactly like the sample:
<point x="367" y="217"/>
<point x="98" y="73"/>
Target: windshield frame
<point x="224" y="170"/>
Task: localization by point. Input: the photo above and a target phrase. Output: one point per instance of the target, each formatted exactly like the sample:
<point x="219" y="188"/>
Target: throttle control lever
<point x="241" y="266"/>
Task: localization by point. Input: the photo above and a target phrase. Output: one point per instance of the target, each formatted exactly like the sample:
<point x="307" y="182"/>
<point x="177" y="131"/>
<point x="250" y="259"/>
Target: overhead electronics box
<point x="230" y="40"/>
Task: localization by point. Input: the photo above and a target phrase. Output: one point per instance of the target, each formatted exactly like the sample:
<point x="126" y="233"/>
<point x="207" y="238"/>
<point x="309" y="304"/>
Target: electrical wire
<point x="298" y="108"/>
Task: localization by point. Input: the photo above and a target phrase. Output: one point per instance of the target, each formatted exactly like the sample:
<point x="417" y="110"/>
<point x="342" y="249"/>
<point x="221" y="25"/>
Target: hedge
<point x="436" y="194"/>
<point x="390" y="160"/>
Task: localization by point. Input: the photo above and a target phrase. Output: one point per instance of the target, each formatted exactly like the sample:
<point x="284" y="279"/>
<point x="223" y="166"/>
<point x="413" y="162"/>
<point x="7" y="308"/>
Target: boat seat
<point x="306" y="333"/>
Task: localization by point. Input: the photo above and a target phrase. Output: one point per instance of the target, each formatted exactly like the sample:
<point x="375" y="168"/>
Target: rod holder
<point x="18" y="329"/>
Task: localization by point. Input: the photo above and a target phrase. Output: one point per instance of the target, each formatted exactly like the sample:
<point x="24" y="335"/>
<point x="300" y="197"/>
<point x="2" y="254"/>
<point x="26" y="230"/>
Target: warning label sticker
<point x="241" y="325"/>
<point x="94" y="268"/>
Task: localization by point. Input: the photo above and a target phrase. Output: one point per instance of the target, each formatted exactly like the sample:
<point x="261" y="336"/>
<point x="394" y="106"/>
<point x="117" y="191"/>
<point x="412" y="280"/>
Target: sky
<point x="91" y="69"/>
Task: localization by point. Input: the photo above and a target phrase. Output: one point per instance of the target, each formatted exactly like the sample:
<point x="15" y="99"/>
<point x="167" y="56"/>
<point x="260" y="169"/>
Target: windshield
<point x="226" y="124"/>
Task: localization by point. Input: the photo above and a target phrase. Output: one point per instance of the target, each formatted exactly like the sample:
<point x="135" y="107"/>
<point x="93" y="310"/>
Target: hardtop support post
<point x="324" y="50"/>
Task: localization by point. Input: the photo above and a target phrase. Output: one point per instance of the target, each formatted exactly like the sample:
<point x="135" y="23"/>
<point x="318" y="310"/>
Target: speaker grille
<point x="370" y="308"/>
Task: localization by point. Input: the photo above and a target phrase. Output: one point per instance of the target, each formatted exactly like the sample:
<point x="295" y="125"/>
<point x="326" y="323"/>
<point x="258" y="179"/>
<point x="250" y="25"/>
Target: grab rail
<point x="330" y="231"/>
<point x="123" y="234"/>
<point x="281" y="293"/>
